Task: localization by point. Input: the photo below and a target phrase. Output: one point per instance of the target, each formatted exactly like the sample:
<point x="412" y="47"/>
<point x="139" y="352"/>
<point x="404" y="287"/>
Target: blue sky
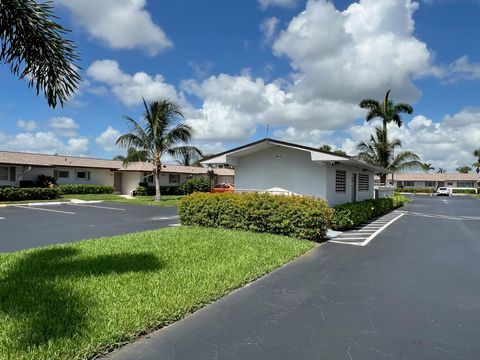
<point x="236" y="66"/>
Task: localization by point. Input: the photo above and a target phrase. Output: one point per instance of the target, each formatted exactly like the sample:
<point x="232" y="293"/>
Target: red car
<point x="221" y="188"/>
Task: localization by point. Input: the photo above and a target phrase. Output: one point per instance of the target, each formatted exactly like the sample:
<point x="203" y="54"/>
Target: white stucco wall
<point x="335" y="198"/>
<point x="282" y="167"/>
<point x="18" y="170"/>
<point x="130" y="181"/>
<point x="421" y="184"/>
<point x="97" y="176"/>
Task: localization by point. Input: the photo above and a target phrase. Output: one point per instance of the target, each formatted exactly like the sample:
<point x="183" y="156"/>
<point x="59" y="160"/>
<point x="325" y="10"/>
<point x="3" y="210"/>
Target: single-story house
<point x="268" y="164"/>
<point x="17" y="166"/>
<point x="435" y="180"/>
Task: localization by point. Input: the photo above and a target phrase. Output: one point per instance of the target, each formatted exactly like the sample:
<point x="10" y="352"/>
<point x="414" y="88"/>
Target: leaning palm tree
<point x="189" y="157"/>
<point x="33" y="45"/>
<point x="441" y="171"/>
<point x="386" y="110"/>
<point x="427" y="167"/>
<point x="380" y="151"/>
<point x="161" y="132"/>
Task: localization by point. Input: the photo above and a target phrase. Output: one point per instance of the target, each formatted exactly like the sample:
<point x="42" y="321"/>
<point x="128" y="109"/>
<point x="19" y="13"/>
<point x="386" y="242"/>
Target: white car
<point x="443" y="191"/>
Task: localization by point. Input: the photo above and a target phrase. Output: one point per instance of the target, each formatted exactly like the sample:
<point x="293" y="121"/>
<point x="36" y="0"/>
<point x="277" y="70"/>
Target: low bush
<point x="44" y="181"/>
<point x="19" y="194"/>
<point x="85" y="189"/>
<point x="464" y="191"/>
<point x="150" y="190"/>
<point x="415" y="190"/>
<point x="347" y="216"/>
<point x="198" y="184"/>
<point x="295" y="216"/>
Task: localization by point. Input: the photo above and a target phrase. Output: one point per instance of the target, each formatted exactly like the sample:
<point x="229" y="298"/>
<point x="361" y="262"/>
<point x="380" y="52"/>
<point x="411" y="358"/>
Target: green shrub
<point x="295" y="216"/>
<point x="150" y="190"/>
<point x="198" y="184"/>
<point x="141" y="191"/>
<point x="347" y="216"/>
<point x="19" y="194"/>
<point x="85" y="189"/>
<point x="415" y="190"/>
<point x="464" y="191"/>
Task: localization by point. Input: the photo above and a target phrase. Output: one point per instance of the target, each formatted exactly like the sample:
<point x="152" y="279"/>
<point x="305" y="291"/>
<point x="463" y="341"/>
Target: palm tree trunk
<point x="158" y="195"/>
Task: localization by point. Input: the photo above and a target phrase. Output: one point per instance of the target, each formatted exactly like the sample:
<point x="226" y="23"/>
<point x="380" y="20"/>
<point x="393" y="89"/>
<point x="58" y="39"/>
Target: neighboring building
<point x="268" y="163"/>
<point x="17" y="166"/>
<point x="435" y="180"/>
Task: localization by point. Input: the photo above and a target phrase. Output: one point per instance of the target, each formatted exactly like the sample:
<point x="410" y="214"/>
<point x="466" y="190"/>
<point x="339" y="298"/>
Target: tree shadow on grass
<point x="35" y="292"/>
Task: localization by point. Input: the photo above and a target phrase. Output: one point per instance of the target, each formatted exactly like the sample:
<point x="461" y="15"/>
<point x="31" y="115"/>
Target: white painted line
<point x="164" y="218"/>
<point x="2" y="218"/>
<point x="98" y="207"/>
<point x="44" y="203"/>
<point x="371" y="237"/>
<point x="174" y="225"/>
<point x="350" y="238"/>
<point x="37" y="208"/>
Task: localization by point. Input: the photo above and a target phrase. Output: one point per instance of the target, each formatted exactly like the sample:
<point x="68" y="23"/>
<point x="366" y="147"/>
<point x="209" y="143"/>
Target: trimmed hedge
<point x="198" y="184"/>
<point x="464" y="191"/>
<point x="85" y="189"/>
<point x="150" y="190"/>
<point x="19" y="194"/>
<point x="347" y="216"/>
<point x="415" y="190"/>
<point x="295" y="216"/>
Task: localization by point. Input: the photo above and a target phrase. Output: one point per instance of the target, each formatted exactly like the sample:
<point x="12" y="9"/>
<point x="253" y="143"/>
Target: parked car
<point x="443" y="191"/>
<point x="220" y="188"/>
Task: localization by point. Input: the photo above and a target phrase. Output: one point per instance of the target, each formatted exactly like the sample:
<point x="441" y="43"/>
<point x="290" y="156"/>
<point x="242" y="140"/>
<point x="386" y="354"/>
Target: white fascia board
<point x="222" y="159"/>
<point x="317" y="156"/>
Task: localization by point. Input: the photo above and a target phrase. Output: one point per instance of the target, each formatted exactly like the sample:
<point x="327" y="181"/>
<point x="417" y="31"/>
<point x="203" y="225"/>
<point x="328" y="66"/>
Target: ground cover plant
<point x="347" y="216"/>
<point x="75" y="301"/>
<point x="302" y="217"/>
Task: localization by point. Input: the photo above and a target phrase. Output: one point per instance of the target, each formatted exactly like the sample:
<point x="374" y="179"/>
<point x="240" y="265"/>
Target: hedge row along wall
<point x="85" y="189"/>
<point x="17" y="194"/>
<point x="296" y="216"/>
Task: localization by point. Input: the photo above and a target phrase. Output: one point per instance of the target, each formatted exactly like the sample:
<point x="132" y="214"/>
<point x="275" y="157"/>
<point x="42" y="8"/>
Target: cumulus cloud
<point x="26" y="125"/>
<point x="269" y="28"/>
<point x="107" y="139"/>
<point x="448" y="143"/>
<point x="130" y="88"/>
<point x="44" y="142"/>
<point x="120" y="24"/>
<point x="64" y="126"/>
<point x="264" y="4"/>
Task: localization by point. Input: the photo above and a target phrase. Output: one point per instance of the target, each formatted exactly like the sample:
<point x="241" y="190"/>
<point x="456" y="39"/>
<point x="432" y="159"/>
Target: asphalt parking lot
<point x="23" y="227"/>
<point x="412" y="293"/>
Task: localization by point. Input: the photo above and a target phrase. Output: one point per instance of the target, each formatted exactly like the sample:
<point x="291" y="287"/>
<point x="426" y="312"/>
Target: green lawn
<point x="76" y="300"/>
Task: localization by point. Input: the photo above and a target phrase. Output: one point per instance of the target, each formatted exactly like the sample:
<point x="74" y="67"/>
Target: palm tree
<point x="387" y="110"/>
<point x="158" y="134"/>
<point x="477" y="166"/>
<point x="441" y="171"/>
<point x="34" y="47"/>
<point x="427" y="167"/>
<point x="325" y="147"/>
<point x="380" y="151"/>
<point x="189" y="157"/>
<point x="463" y="169"/>
<point x="476" y="153"/>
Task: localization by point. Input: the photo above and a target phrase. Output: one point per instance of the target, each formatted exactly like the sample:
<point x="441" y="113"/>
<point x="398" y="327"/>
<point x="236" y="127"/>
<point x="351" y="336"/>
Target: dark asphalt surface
<point x="412" y="293"/>
<point x="24" y="227"/>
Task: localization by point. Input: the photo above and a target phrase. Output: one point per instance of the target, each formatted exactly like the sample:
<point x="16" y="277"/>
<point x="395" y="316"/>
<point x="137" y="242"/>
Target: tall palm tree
<point x="380" y="151"/>
<point x="33" y="45"/>
<point x="160" y="132"/>
<point x="476" y="165"/>
<point x="189" y="157"/>
<point x="387" y="110"/>
<point x="133" y="155"/>
<point x="441" y="171"/>
<point x="463" y="169"/>
<point x="427" y="167"/>
<point x="476" y="153"/>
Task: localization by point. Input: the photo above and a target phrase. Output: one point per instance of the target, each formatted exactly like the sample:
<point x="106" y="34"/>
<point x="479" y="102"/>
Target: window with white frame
<point x="4" y="173"/>
<point x="340" y="181"/>
<point x="363" y="182"/>
<point x="148" y="177"/>
<point x="174" y="178"/>
<point x="429" y="184"/>
<point x="83" y="175"/>
<point x="409" y="184"/>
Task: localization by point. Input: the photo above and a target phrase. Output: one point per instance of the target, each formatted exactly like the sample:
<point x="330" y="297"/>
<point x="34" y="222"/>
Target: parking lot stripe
<point x="2" y="218"/>
<point x="98" y="207"/>
<point x="42" y="209"/>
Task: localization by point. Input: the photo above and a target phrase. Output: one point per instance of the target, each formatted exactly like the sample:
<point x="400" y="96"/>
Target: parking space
<point x="23" y="227"/>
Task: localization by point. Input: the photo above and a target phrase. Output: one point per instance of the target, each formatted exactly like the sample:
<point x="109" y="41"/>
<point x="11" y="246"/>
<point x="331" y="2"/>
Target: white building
<point x="18" y="166"/>
<point x="435" y="180"/>
<point x="303" y="170"/>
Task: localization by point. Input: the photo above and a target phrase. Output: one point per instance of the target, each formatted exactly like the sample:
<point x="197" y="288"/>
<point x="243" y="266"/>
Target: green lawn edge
<point x="214" y="262"/>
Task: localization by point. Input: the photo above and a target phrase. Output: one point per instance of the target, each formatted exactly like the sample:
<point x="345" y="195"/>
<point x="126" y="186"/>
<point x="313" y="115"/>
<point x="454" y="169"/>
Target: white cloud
<point x="448" y="144"/>
<point x="44" y="142"/>
<point x="120" y="24"/>
<point x="64" y="126"/>
<point x="281" y="3"/>
<point x="26" y="125"/>
<point x="107" y="139"/>
<point x="130" y="88"/>
<point x="269" y="28"/>
<point x="460" y="69"/>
